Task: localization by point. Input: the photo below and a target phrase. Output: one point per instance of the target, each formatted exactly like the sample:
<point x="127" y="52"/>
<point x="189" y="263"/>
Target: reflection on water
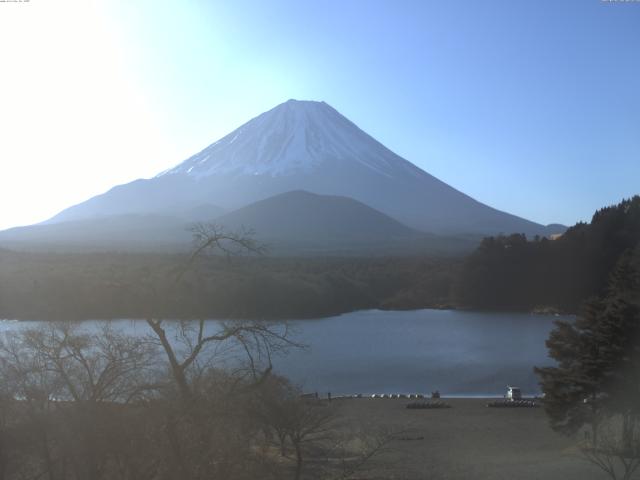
<point x="456" y="352"/>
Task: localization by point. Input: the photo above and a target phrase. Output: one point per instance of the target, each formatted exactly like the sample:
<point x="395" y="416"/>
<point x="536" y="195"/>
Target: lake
<point x="460" y="353"/>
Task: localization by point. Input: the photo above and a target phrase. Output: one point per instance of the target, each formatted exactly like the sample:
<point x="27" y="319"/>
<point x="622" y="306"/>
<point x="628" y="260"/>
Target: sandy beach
<point x="467" y="441"/>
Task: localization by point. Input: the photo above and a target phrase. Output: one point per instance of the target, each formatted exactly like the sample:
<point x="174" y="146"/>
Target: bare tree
<point x="617" y="452"/>
<point x="70" y="386"/>
<point x="311" y="424"/>
<point x="258" y="340"/>
<point x="359" y="451"/>
<point x="188" y="345"/>
<point x="92" y="367"/>
<point x="322" y="444"/>
<point x="31" y="387"/>
<point x="195" y="348"/>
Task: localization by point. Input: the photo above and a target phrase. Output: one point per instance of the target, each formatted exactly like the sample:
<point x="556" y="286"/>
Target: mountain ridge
<point x="296" y="223"/>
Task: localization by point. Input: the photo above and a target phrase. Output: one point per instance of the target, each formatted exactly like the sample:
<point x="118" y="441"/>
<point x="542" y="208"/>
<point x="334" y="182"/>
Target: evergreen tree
<point x="573" y="389"/>
<point x="598" y="358"/>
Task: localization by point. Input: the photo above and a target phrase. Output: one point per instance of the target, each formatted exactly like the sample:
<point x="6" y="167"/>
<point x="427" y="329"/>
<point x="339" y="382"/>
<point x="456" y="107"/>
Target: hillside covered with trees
<point x="513" y="273"/>
<point x="54" y="286"/>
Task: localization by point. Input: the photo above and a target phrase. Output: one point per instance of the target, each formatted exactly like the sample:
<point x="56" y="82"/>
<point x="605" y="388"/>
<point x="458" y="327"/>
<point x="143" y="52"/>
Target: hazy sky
<point x="529" y="106"/>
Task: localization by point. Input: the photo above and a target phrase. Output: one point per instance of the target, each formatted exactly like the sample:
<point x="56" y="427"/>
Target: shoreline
<point x="443" y="308"/>
<point x="426" y="397"/>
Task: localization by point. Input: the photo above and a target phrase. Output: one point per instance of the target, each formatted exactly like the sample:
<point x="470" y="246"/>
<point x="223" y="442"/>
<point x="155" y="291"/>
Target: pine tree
<point x="573" y="389"/>
<point x="598" y="359"/>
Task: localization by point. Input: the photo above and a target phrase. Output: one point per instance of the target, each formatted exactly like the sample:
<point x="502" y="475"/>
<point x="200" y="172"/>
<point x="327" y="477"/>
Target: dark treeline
<point x="51" y="286"/>
<point x="513" y="273"/>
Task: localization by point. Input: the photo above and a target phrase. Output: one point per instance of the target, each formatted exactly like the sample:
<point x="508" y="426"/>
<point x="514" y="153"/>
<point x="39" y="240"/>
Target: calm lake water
<point x="457" y="352"/>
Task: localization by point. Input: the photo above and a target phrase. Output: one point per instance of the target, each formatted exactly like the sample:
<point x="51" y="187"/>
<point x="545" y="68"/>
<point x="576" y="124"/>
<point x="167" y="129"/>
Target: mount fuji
<point x="301" y="146"/>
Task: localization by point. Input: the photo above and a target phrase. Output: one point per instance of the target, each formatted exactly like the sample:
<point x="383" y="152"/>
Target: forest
<point x="513" y="273"/>
<point x="54" y="286"/>
<point x="509" y="273"/>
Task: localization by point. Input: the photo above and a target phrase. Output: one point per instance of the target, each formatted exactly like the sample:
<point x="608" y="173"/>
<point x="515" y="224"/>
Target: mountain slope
<point x="302" y="145"/>
<point x="292" y="223"/>
<point x="117" y="232"/>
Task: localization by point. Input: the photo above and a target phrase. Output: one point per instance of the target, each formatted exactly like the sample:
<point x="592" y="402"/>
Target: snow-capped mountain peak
<point x="294" y="137"/>
<point x="303" y="145"/>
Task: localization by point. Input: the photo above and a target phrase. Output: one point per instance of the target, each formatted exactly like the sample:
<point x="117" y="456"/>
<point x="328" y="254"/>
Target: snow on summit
<point x="309" y="146"/>
<point x="294" y="137"/>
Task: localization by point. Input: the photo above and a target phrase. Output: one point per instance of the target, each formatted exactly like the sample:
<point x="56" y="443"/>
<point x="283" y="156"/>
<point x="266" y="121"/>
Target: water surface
<point x="457" y="352"/>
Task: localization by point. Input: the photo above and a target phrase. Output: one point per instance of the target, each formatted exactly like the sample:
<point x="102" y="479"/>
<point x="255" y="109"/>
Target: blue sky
<point x="532" y="107"/>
